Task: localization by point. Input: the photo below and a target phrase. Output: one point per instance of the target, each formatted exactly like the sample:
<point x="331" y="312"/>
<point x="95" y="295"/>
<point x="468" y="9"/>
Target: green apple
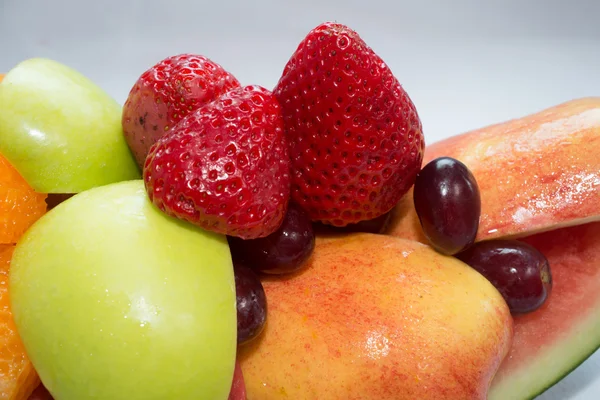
<point x="61" y="131"/>
<point x="115" y="300"/>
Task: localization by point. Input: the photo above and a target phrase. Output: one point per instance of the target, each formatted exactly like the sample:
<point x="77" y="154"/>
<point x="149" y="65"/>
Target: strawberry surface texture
<point x="166" y="93"/>
<point x="356" y="140"/>
<point x="224" y="167"/>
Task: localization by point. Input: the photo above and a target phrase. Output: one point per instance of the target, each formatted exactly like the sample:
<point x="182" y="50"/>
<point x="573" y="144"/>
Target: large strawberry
<point x="356" y="142"/>
<point x="225" y="167"/>
<point x="166" y="93"/>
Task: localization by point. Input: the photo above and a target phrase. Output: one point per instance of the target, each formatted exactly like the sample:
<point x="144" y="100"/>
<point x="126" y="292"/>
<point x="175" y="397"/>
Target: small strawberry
<point x="355" y="138"/>
<point x="166" y="93"/>
<point x="225" y="167"/>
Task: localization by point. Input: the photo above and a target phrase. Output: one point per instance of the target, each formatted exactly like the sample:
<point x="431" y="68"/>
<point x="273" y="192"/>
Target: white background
<point x="465" y="64"/>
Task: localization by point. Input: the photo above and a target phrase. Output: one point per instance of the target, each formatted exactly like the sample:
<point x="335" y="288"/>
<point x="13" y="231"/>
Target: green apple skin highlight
<point x="60" y="130"/>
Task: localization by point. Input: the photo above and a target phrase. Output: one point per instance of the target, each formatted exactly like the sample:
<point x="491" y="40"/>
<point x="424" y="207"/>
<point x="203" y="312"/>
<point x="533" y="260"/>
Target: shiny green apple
<point x="61" y="131"/>
<point x="115" y="300"/>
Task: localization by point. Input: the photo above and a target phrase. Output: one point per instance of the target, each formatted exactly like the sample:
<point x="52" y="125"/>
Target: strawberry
<point x="166" y="93"/>
<point x="224" y="167"/>
<point x="356" y="142"/>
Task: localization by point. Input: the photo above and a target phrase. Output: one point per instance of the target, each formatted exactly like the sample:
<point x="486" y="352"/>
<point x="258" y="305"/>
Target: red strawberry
<point x="166" y="93"/>
<point x="225" y="167"/>
<point x="355" y="138"/>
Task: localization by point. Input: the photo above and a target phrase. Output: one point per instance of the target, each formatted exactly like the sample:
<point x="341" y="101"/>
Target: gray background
<point x="466" y="64"/>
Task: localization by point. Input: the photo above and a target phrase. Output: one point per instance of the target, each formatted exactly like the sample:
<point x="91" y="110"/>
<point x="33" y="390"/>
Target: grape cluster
<point x="448" y="204"/>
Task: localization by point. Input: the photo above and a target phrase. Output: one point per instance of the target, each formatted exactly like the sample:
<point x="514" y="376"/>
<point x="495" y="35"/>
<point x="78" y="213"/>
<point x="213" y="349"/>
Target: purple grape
<point x="518" y="270"/>
<point x="285" y="250"/>
<point x="40" y="393"/>
<point x="54" y="199"/>
<point x="251" y="303"/>
<point x="448" y="204"/>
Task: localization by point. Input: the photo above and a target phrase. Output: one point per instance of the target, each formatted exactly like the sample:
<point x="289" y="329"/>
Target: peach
<point x="378" y="317"/>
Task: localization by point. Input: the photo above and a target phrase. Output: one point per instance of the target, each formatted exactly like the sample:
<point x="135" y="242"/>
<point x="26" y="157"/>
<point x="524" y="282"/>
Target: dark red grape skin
<point x="519" y="271"/>
<point x="40" y="393"/>
<point x="448" y="204"/>
<point x="284" y="251"/>
<point x="54" y="199"/>
<point x="375" y="225"/>
<point x="251" y="303"/>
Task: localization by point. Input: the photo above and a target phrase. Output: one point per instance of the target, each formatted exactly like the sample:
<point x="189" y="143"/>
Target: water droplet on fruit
<point x="343" y="42"/>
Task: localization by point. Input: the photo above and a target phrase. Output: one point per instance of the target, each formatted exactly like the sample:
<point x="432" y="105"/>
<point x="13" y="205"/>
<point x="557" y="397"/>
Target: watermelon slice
<point x="552" y="341"/>
<point x="538" y="173"/>
<point x="238" y="388"/>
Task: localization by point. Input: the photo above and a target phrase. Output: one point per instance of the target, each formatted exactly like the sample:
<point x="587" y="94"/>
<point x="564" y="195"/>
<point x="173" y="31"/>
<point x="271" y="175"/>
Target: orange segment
<point x="18" y="379"/>
<point x="20" y="205"/>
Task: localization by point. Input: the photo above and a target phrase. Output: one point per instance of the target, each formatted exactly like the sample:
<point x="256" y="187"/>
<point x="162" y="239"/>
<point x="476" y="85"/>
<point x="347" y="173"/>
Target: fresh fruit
<point x="518" y="270"/>
<point x="20" y="205"/>
<point x="251" y="304"/>
<point x="375" y="225"/>
<point x="373" y="316"/>
<point x="225" y="167"/>
<point x="356" y="141"/>
<point x="550" y="342"/>
<point x="545" y="166"/>
<point x="448" y="204"/>
<point x="1" y="77"/>
<point x="284" y="251"/>
<point x="61" y="131"/>
<point x="115" y="300"/>
<point x="164" y="94"/>
<point x="40" y="393"/>
<point x="536" y="173"/>
<point x="55" y="199"/>
<point x="18" y="379"/>
<point x="238" y="389"/>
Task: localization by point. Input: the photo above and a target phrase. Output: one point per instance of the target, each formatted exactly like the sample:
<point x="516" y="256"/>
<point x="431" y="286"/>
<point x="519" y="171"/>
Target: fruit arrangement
<point x="215" y="240"/>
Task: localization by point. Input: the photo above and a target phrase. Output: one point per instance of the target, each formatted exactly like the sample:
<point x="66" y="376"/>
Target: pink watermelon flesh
<point x="238" y="388"/>
<point x="553" y="340"/>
